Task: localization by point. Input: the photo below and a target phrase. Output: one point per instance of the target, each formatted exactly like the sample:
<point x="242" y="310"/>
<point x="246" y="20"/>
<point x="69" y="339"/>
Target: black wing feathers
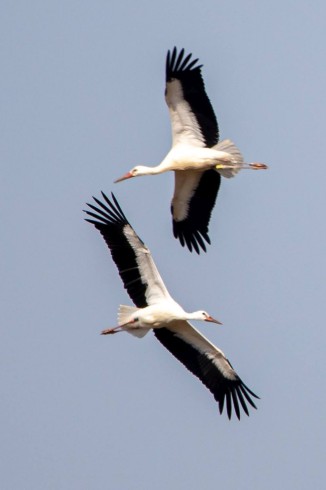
<point x="194" y="228"/>
<point x="111" y="221"/>
<point x="193" y="87"/>
<point x="234" y="392"/>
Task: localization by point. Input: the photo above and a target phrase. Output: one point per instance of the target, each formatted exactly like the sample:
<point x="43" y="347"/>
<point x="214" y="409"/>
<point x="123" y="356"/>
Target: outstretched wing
<point x="209" y="364"/>
<point x="133" y="259"/>
<point x="192" y="116"/>
<point x="192" y="204"/>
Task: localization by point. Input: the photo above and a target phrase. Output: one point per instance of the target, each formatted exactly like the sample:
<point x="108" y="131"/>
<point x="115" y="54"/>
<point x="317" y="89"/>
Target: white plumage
<point x="196" y="157"/>
<point x="156" y="309"/>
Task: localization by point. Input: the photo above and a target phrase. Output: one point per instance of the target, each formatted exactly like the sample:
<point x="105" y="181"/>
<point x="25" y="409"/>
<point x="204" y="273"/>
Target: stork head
<point x="134" y="172"/>
<point x="204" y="316"/>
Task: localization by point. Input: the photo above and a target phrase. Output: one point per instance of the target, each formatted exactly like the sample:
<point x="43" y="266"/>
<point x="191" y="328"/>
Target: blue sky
<point x="82" y="102"/>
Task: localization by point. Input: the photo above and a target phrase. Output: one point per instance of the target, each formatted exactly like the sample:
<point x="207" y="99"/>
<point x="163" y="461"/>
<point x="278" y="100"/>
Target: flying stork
<point x="196" y="157"/>
<point x="156" y="309"/>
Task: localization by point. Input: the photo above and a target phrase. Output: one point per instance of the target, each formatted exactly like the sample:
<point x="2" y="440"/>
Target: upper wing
<point x="192" y="116"/>
<point x="133" y="259"/>
<point x="192" y="203"/>
<point x="209" y="364"/>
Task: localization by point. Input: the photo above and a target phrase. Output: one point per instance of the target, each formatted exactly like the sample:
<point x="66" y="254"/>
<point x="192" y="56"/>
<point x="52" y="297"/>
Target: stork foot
<point x="258" y="166"/>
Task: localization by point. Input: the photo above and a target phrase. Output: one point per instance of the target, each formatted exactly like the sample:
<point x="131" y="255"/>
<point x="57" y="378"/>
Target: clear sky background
<point x="82" y="102"/>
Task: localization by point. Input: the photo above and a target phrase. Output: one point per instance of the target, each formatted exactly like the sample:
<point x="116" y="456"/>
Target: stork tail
<point x="232" y="168"/>
<point x="124" y="316"/>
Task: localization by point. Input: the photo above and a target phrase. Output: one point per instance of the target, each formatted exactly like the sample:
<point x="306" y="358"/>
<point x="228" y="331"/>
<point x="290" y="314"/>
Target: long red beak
<point x="128" y="175"/>
<point x="211" y="319"/>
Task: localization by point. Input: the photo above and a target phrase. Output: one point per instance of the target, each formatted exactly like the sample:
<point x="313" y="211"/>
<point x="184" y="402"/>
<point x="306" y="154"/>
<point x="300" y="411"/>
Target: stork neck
<point x="144" y="170"/>
<point x="165" y="165"/>
<point x="195" y="315"/>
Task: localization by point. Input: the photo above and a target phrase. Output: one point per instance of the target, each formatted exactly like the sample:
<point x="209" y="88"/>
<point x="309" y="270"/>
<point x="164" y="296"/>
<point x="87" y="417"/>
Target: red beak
<point x="128" y="175"/>
<point x="211" y="319"/>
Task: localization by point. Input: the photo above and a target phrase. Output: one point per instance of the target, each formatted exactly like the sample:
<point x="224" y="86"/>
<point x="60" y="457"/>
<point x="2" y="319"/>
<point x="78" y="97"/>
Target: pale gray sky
<point x="81" y="103"/>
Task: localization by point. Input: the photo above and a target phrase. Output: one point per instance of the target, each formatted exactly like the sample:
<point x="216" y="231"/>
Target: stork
<point x="196" y="157"/>
<point x="156" y="309"/>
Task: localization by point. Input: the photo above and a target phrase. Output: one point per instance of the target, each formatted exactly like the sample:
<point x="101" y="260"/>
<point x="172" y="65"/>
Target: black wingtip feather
<point x="225" y="391"/>
<point x="199" y="212"/>
<point x="188" y="72"/>
<point x="110" y="220"/>
<point x="228" y="404"/>
<point x="235" y="403"/>
<point x="98" y="217"/>
<point x="185" y="61"/>
<point x="244" y="392"/>
<point x="242" y="401"/>
<point x="176" y="64"/>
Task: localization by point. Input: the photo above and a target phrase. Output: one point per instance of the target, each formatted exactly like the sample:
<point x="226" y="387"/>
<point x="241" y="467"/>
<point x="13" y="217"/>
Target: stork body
<point x="195" y="150"/>
<point x="184" y="157"/>
<point x="156" y="309"/>
<point x="154" y="316"/>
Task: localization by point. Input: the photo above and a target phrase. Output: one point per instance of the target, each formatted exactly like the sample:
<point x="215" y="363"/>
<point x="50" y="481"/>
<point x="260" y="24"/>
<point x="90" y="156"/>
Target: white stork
<point x="155" y="309"/>
<point x="196" y="157"/>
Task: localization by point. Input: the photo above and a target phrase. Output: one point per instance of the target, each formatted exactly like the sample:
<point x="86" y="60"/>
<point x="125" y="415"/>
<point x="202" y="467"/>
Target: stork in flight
<point x="156" y="309"/>
<point x="196" y="157"/>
